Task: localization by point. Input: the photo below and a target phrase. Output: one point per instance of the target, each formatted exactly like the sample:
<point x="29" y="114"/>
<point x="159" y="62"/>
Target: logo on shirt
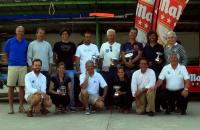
<point x="33" y="81"/>
<point x="107" y="50"/>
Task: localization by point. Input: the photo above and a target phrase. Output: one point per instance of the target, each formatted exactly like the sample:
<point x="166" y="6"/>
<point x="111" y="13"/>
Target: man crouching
<point x="90" y="81"/>
<point x="35" y="90"/>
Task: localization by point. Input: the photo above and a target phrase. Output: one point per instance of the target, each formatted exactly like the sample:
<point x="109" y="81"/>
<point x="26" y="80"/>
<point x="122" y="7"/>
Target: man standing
<point x="90" y="82"/>
<point x="41" y="49"/>
<point x="177" y="84"/>
<point x="173" y="46"/>
<point x="135" y="49"/>
<point x="142" y="86"/>
<point x="16" y="52"/>
<point x="109" y="57"/>
<point x="85" y="52"/>
<point x="35" y="89"/>
<point x="64" y="51"/>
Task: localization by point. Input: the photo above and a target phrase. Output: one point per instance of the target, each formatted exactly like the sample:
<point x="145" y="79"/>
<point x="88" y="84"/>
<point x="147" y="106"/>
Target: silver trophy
<point x="116" y="87"/>
<point x="114" y="61"/>
<point x="158" y="56"/>
<point x="128" y="56"/>
<point x="62" y="89"/>
<point x="95" y="59"/>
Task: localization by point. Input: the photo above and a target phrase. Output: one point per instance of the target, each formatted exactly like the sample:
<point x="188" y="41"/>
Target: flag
<point x="168" y="15"/>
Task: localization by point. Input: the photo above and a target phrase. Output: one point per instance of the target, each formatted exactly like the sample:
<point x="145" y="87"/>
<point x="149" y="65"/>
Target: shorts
<point x="16" y="75"/>
<point x="92" y="98"/>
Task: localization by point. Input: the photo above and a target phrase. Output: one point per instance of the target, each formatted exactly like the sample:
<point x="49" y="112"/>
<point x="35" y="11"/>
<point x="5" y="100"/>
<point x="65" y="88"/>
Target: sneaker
<point x="183" y="112"/>
<point x="87" y="111"/>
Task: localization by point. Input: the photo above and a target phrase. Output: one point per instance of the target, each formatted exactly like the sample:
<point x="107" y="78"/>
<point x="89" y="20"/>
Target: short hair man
<point x="142" y="86"/>
<point x="177" y="83"/>
<point x="90" y="82"/>
<point x="35" y="89"/>
<point x="16" y="52"/>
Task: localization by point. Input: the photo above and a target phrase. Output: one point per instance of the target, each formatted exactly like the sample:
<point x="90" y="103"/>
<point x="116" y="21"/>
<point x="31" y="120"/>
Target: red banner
<point x="194" y="72"/>
<point x="168" y="14"/>
<point x="143" y="18"/>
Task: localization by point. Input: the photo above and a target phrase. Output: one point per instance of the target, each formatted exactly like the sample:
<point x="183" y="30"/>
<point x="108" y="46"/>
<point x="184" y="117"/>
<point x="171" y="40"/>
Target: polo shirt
<point x="94" y="83"/>
<point x="108" y="51"/>
<point x="16" y="51"/>
<point x="174" y="77"/>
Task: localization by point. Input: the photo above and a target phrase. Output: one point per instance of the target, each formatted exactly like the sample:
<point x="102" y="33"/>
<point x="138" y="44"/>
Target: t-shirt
<point x="57" y="83"/>
<point x="85" y="53"/>
<point x="150" y="53"/>
<point x="94" y="82"/>
<point x="65" y="53"/>
<point x="16" y="51"/>
<point x="108" y="51"/>
<point x="174" y="77"/>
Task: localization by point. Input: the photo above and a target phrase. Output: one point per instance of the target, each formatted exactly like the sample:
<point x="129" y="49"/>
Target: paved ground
<point x="100" y="120"/>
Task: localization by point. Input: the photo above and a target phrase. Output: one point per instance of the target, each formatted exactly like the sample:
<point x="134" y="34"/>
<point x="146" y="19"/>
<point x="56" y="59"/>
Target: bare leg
<point x="99" y="104"/>
<point x="21" y="99"/>
<point x="84" y="98"/>
<point x="10" y="99"/>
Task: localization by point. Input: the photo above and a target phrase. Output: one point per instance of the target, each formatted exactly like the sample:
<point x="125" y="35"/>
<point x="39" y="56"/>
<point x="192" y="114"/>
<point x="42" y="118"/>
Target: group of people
<point x="153" y="76"/>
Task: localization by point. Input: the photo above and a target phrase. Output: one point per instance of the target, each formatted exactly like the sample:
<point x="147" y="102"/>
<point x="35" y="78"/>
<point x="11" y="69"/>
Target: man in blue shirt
<point x="16" y="53"/>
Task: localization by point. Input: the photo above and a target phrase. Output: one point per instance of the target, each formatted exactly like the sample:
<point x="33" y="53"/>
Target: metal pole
<point x="97" y="34"/>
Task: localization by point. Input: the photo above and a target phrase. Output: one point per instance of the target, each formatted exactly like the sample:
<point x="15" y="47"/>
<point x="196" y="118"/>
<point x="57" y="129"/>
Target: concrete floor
<point x="100" y="120"/>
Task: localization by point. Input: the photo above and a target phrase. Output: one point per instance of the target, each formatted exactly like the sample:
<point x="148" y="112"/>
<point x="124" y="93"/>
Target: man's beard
<point x="37" y="71"/>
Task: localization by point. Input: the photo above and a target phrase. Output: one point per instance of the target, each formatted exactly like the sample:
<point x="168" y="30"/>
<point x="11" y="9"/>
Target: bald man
<point x="16" y="53"/>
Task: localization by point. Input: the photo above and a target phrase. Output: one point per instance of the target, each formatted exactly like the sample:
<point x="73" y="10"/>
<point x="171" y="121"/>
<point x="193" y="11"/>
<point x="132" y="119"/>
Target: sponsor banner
<point x="168" y="14"/>
<point x="194" y="73"/>
<point x="143" y="18"/>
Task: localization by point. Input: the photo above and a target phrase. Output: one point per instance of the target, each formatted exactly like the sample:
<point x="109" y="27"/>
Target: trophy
<point x="94" y="59"/>
<point x="62" y="89"/>
<point x="116" y="90"/>
<point x="128" y="56"/>
<point x="158" y="56"/>
<point x="113" y="61"/>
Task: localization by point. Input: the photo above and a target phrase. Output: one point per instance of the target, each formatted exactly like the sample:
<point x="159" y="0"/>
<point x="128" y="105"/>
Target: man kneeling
<point x="35" y="90"/>
<point x="90" y="81"/>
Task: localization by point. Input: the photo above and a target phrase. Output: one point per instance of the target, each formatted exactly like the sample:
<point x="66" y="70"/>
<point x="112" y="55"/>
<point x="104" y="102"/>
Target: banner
<point x="194" y="73"/>
<point x="143" y="19"/>
<point x="168" y="14"/>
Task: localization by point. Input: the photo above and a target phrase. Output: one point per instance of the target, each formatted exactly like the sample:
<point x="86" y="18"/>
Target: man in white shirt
<point x="35" y="89"/>
<point x="41" y="49"/>
<point x="177" y="83"/>
<point x="90" y="82"/>
<point x="109" y="58"/>
<point x="142" y="86"/>
<point x="85" y="52"/>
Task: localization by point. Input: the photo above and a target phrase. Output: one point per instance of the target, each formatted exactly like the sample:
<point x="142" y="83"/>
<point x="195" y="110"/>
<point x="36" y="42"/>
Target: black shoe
<point x="158" y="110"/>
<point x="167" y="112"/>
<point x="183" y="112"/>
<point x="151" y="113"/>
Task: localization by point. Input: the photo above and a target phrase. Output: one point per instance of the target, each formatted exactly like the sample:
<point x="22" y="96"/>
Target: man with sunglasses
<point x="109" y="57"/>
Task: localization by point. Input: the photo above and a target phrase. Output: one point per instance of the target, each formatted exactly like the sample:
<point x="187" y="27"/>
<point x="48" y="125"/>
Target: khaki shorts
<point x="16" y="75"/>
<point x="92" y="98"/>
